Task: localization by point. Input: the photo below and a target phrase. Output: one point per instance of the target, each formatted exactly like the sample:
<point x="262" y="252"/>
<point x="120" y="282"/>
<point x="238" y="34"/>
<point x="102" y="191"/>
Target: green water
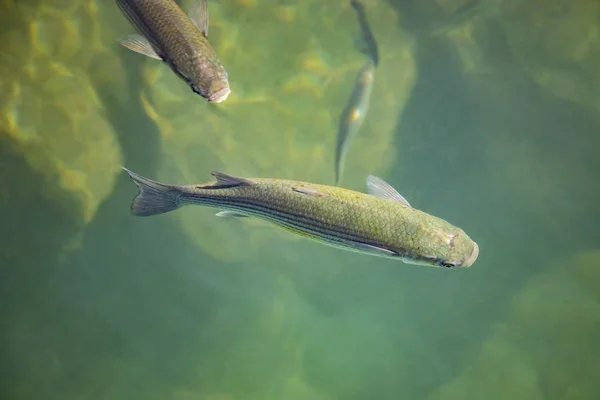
<point x="492" y="126"/>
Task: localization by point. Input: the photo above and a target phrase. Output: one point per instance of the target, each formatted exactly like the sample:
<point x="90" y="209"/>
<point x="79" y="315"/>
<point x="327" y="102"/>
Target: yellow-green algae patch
<point x="50" y="111"/>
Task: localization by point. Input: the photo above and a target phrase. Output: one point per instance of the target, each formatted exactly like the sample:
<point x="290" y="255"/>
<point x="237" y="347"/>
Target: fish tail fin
<point x="154" y="197"/>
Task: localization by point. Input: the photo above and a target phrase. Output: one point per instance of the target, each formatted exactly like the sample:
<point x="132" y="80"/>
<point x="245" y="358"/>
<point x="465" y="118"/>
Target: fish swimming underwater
<point x="353" y="115"/>
<point x="368" y="45"/>
<point x="356" y="108"/>
<point x="167" y="34"/>
<point x="380" y="223"/>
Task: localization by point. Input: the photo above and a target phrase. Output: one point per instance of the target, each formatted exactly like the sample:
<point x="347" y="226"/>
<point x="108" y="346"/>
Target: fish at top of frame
<point x="166" y="33"/>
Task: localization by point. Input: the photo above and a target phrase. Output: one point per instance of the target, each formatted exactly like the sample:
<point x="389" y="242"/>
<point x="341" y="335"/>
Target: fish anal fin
<point x="198" y="13"/>
<point x="139" y="44"/>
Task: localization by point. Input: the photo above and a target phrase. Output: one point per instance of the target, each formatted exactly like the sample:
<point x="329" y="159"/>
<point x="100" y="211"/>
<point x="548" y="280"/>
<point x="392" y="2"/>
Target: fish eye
<point x="448" y="265"/>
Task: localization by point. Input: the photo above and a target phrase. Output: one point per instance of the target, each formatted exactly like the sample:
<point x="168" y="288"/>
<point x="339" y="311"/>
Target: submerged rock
<point x="50" y="113"/>
<point x="553" y="42"/>
<point x="291" y="69"/>
<point x="542" y="349"/>
<point x="556" y="42"/>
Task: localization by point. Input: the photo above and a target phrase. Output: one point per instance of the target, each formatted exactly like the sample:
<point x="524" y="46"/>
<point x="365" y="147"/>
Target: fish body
<point x="381" y="223"/>
<point x="166" y="33"/>
<point x="357" y="106"/>
<point x="368" y="43"/>
<point x="353" y="115"/>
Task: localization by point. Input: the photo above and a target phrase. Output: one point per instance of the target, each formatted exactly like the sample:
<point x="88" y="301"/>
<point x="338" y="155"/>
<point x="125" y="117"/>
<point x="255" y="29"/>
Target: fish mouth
<point x="219" y="95"/>
<point x="473" y="257"/>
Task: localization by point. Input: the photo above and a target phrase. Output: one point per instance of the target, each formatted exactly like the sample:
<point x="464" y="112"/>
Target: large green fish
<point x="166" y="33"/>
<point x="381" y="223"/>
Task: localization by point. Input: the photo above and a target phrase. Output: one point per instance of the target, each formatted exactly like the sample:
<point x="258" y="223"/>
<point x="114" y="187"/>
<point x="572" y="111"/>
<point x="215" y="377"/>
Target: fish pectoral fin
<point x="232" y="214"/>
<point x="139" y="44"/>
<point x="198" y="13"/>
<point x="374" y="249"/>
<point x="224" y="180"/>
<point x="379" y="188"/>
<point x="308" y="191"/>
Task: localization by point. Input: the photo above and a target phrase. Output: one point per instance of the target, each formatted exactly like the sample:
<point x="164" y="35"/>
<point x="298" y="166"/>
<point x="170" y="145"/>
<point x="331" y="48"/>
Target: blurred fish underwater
<point x="381" y="223"/>
<point x="356" y="108"/>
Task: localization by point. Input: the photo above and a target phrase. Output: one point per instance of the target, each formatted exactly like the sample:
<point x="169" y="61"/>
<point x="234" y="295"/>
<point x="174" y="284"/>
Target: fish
<point x="368" y="45"/>
<point x="353" y="115"/>
<point x="379" y="223"/>
<point x="166" y="33"/>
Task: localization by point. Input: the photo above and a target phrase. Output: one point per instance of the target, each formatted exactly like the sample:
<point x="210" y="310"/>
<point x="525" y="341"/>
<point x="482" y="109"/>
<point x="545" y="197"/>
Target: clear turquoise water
<point x="138" y="310"/>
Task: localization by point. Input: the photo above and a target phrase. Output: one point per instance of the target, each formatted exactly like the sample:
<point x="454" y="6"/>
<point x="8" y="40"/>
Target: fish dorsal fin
<point x="224" y="180"/>
<point x="380" y="188"/>
<point x="198" y="13"/>
<point x="380" y="251"/>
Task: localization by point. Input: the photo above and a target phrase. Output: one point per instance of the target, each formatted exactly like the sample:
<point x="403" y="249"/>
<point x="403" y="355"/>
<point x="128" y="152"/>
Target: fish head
<point x="456" y="250"/>
<point x="210" y="80"/>
<point x="446" y="247"/>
